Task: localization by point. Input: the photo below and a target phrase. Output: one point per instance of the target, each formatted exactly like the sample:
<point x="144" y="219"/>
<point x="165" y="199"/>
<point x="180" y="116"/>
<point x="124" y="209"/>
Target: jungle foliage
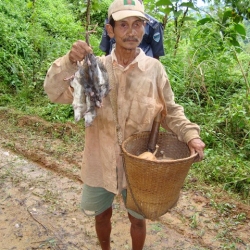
<point x="207" y="60"/>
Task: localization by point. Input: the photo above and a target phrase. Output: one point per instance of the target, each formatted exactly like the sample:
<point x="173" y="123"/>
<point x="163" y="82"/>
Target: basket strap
<point x="130" y="189"/>
<point x="113" y="97"/>
<point x="113" y="101"/>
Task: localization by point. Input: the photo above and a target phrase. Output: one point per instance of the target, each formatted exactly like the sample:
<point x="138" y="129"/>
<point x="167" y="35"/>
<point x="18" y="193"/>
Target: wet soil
<point x="40" y="190"/>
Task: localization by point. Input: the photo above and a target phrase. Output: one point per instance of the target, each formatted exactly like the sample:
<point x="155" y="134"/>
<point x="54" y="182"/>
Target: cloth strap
<point x="113" y="99"/>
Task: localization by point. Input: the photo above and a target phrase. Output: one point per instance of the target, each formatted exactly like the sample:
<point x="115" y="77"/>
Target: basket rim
<point x="162" y="160"/>
<point x="156" y="161"/>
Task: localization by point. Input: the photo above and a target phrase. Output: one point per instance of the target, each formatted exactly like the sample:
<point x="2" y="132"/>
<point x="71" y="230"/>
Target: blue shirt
<point x="151" y="44"/>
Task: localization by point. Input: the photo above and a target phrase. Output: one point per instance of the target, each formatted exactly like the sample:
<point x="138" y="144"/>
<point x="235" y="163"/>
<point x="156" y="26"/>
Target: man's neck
<point x="125" y="56"/>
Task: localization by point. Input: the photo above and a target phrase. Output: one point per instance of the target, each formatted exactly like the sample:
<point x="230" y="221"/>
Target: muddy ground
<point x="40" y="190"/>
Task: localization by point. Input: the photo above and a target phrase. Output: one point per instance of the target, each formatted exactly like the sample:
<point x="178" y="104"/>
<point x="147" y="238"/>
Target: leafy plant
<point x="207" y="61"/>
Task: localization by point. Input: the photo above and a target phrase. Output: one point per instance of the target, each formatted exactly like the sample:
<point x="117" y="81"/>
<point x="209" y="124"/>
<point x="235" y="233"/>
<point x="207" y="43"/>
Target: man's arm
<point x="156" y="34"/>
<point x="59" y="75"/>
<point x="157" y="41"/>
<point x="177" y="122"/>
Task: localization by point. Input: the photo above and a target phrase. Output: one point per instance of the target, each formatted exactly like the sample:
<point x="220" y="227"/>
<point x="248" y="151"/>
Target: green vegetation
<point x="207" y="60"/>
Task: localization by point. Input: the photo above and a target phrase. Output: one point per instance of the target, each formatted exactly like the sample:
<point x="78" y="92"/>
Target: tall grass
<point x="205" y="75"/>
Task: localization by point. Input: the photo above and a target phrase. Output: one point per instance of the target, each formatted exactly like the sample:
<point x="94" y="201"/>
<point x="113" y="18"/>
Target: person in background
<point x="151" y="44"/>
<point x="142" y="92"/>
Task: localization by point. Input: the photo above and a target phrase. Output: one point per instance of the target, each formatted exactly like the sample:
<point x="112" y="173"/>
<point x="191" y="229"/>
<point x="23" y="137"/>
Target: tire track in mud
<point x="42" y="142"/>
<point x="197" y="220"/>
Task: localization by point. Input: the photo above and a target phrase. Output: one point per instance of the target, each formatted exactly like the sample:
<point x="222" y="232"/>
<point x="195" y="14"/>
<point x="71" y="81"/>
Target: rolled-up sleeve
<point x="57" y="80"/>
<point x="175" y="119"/>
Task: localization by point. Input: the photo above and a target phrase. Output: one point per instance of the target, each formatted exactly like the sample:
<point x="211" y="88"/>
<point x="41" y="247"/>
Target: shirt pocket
<point x="141" y="113"/>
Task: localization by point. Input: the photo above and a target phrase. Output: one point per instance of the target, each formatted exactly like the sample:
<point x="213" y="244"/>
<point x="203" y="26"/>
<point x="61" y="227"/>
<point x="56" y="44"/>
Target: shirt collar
<point x="140" y="59"/>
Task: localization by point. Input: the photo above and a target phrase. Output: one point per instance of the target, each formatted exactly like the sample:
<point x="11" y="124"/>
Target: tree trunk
<point x="164" y="21"/>
<point x="88" y="21"/>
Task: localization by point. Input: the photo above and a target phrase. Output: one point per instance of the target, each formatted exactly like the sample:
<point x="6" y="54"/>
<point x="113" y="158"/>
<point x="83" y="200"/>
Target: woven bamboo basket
<point x="154" y="186"/>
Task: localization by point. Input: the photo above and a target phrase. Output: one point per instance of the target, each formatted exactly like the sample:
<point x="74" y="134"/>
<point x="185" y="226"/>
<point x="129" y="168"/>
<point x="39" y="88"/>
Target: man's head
<point x="121" y="9"/>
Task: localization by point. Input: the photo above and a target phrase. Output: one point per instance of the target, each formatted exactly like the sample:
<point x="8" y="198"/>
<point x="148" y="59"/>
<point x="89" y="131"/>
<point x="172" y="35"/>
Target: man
<point x="152" y="41"/>
<point x="143" y="90"/>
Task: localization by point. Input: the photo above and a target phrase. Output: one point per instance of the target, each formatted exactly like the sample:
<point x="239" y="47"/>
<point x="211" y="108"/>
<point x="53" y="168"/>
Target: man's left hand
<point x="197" y="146"/>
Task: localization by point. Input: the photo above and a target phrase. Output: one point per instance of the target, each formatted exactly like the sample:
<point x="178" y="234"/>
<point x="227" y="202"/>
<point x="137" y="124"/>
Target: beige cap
<point x="121" y="9"/>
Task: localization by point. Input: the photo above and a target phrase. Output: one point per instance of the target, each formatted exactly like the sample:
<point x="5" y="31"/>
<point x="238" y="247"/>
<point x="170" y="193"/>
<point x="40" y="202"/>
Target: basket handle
<point x="153" y="137"/>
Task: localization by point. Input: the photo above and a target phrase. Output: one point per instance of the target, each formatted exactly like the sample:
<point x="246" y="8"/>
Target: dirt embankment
<point x="39" y="199"/>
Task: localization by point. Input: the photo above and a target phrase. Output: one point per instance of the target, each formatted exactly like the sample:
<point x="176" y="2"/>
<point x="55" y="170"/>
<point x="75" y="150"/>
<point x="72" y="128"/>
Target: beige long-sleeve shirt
<point x="143" y="90"/>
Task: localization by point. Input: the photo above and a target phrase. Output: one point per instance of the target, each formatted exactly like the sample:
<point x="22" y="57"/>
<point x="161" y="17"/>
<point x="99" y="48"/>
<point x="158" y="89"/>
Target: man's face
<point x="128" y="32"/>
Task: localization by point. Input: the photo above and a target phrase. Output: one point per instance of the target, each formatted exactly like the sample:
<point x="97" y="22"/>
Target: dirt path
<point x="39" y="199"/>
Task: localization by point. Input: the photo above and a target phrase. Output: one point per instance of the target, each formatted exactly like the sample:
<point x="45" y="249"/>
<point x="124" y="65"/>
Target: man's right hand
<point x="78" y="51"/>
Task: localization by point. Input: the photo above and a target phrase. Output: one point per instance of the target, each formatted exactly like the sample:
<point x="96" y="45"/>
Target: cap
<point x="121" y="9"/>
